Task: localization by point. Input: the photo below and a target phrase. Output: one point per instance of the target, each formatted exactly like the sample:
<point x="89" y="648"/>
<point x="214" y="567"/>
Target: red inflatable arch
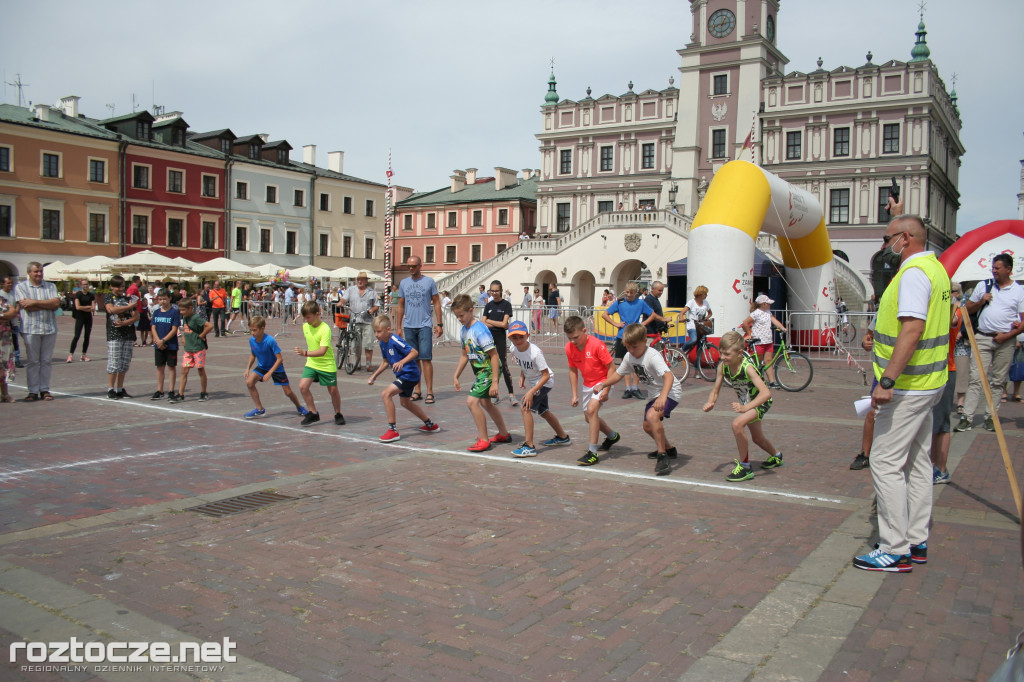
<point x="970" y="257"/>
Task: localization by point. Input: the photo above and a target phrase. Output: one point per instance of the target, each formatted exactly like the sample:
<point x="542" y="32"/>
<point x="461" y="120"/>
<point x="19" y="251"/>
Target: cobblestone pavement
<point x="418" y="560"/>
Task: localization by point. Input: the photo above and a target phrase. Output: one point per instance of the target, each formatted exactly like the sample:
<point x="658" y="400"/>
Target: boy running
<point x="479" y="352"/>
<point x="588" y="355"/>
<point x="536" y="372"/>
<point x="196" y="329"/>
<point x="266" y="362"/>
<point x="401" y="357"/>
<point x="166" y="323"/>
<point x="754" y="401"/>
<point x="650" y="368"/>
<point x="320" y="367"/>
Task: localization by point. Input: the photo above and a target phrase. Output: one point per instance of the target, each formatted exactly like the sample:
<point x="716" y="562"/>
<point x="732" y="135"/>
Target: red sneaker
<point x="389" y="436"/>
<point x="498" y="438"/>
<point x="480" y="446"/>
<point x="433" y="428"/>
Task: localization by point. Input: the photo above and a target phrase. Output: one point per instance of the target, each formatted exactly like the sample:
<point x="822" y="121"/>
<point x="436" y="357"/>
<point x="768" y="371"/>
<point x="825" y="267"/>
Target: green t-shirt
<point x="193" y="327"/>
<point x="316" y="338"/>
<point x="236" y="298"/>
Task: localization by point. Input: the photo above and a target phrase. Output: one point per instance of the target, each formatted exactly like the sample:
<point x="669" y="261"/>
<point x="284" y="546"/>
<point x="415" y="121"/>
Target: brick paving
<point x="420" y="561"/>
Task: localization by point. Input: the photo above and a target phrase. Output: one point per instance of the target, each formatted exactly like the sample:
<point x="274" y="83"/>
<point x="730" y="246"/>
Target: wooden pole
<point x="995" y="415"/>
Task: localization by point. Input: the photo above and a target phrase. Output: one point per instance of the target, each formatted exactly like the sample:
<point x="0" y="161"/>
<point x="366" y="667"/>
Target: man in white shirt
<point x="1002" y="317"/>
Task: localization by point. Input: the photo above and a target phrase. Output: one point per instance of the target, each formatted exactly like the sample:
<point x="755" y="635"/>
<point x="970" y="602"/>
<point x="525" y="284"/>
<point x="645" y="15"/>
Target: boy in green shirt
<point x="195" y="329"/>
<point x="320" y="365"/>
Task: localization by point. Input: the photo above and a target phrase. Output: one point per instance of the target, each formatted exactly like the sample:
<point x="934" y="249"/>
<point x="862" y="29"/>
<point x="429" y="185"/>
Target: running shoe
<point x="662" y="468"/>
<point x="203" y="397"/>
<point x="741" y="472"/>
<point x="339" y="419"/>
<point x="939" y="477"/>
<point x="608" y="442"/>
<point x="85" y="358"/>
<point x="989" y="426"/>
<point x="524" y="450"/>
<point x="480" y="445"/>
<point x="498" y="438"/>
<point x="255" y="412"/>
<point x="772" y="462"/>
<point x="883" y="561"/>
<point x="311" y="418"/>
<point x="963" y="425"/>
<point x="112" y="394"/>
<point x="588" y="459"/>
<point x="671" y="453"/>
<point x="124" y="394"/>
<point x="158" y="395"/>
<point x="860" y="462"/>
<point x="550" y="442"/>
<point x="390" y="436"/>
<point x="919" y="553"/>
<point x="177" y="398"/>
<point x="302" y="411"/>
<point x="430" y="428"/>
<point x="71" y="358"/>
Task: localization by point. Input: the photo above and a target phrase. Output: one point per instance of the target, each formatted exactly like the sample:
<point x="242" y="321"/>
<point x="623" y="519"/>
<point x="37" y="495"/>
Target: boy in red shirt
<point x="589" y="355"/>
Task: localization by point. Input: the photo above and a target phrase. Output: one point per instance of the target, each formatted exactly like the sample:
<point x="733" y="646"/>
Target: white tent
<point x="344" y="272"/>
<point x="91" y="268"/>
<point x="267" y="269"/>
<point x="54" y="271"/>
<point x="307" y="272"/>
<point x="146" y="263"/>
<point x="225" y="267"/>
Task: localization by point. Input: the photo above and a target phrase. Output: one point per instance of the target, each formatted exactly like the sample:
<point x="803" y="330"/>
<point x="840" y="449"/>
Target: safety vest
<point x="928" y="365"/>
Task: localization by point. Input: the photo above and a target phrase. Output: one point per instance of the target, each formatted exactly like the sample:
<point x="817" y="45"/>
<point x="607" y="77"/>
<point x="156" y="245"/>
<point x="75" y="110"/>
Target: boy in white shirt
<point x="536" y="372"/>
<point x="664" y="390"/>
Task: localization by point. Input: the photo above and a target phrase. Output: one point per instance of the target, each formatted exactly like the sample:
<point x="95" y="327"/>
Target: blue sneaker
<point x="255" y="412"/>
<point x="524" y="450"/>
<point x="883" y="561"/>
<point x="919" y="553"/>
<point x="939" y="477"/>
<point x="302" y="411"/>
<point x="556" y="441"/>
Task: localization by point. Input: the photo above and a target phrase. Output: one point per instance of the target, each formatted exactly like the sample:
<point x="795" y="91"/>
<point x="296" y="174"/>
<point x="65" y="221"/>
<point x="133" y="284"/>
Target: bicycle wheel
<point x="352" y="361"/>
<point x="707" y="361"/>
<point x="794" y="371"/>
<point x="678" y="363"/>
<point x="342" y="350"/>
<point x="847" y="333"/>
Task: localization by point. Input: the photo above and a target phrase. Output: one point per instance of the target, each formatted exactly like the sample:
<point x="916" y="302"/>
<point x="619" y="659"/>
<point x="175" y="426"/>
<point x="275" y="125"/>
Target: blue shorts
<point x="422" y="339"/>
<point x="405" y="387"/>
<point x="280" y="377"/>
<point x="539" y="404"/>
<point x="669" y="406"/>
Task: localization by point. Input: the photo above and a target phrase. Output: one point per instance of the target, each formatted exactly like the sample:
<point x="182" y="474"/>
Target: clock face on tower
<point x="722" y="23"/>
<point x="770" y="31"/>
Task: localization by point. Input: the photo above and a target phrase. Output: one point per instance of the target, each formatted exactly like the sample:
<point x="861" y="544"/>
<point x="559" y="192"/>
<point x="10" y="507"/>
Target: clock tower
<point x="731" y="48"/>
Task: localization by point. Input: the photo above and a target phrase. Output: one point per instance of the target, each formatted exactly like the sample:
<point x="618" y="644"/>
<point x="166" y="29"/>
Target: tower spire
<point x="551" y="98"/>
<point x="920" y="51"/>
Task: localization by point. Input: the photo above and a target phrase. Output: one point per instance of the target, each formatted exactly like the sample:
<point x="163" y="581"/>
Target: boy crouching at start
<point x="401" y="357"/>
<point x="266" y="362"/>
<point x="536" y="372"/>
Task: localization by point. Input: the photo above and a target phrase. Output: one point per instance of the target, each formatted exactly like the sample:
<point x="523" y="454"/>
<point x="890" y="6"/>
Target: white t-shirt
<point x="1003" y="311"/>
<point x="650" y="369"/>
<point x="446" y="302"/>
<point x="761" y="330"/>
<point x="533" y="363"/>
<point x="696" y="312"/>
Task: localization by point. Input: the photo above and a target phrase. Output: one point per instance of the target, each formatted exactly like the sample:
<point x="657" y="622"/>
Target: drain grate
<point x="239" y="504"/>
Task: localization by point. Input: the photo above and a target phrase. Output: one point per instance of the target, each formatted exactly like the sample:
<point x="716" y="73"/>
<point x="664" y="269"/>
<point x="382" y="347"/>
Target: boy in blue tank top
<point x="401" y="358"/>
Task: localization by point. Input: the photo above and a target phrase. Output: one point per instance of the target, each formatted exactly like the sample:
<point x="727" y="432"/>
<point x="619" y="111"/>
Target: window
<point x="143" y="130"/>
<point x="474" y="253"/>
<point x="325" y="201"/>
<point x="97" y="170"/>
<point x="431" y="221"/>
<point x="647" y="159"/>
<point x="499" y="247"/>
<point x="225" y="145"/>
<point x="175" y="228"/>
<point x="428" y="254"/>
<point x="254" y="150"/>
<point x="140" y="229"/>
<point x="241" y="190"/>
<point x="369" y="207"/>
<point x="271" y="194"/>
<point x="453" y="219"/>
<point x="6" y="224"/>
<point x="839" y="202"/>
<point x="346" y="205"/>
<point x="368" y="247"/>
<point x="406" y="252"/>
<point x="607" y="158"/>
<point x="563" y="218"/>
<point x="265" y="240"/>
<point x="605" y="206"/>
<point x="140" y="177"/>
<point x="209" y="185"/>
<point x="289" y="241"/>
<point x="891" y="138"/>
<point x="720" y="84"/>
<point x="178" y="137"/>
<point x="282" y="156"/>
<point x="503" y="216"/>
<point x="451" y="253"/>
<point x="51" y="165"/>
<point x="478" y="218"/>
<point x="209" y="236"/>
<point x="300" y="197"/>
<point x="97" y="227"/>
<point x="175" y="181"/>
<point x="718" y="144"/>
<point x="565" y="165"/>
<point x="841" y="142"/>
<point x="241" y="239"/>
<point x="793" y="146"/>
<point x="407" y="222"/>
<point x="883" y="205"/>
<point x="5" y="159"/>
<point x="325" y="241"/>
<point x="346" y="246"/>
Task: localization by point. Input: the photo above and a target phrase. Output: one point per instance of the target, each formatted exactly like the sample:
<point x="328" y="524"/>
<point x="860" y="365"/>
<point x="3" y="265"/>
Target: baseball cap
<point x="763" y="299"/>
<point x="518" y="327"/>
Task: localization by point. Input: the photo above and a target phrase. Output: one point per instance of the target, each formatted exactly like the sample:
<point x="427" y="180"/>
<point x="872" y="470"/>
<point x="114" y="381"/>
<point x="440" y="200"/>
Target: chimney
<point x="69" y="105"/>
<point x="309" y="154"/>
<point x="527" y="173"/>
<point x="536" y="173"/>
<point x="336" y="161"/>
<point x="471" y="176"/>
<point x="265" y="137"/>
<point x="41" y="112"/>
<point x="459" y="180"/>
<point x="503" y="177"/>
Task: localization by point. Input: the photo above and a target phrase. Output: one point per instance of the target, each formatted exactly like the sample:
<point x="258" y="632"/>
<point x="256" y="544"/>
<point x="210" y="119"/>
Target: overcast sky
<point x="457" y="83"/>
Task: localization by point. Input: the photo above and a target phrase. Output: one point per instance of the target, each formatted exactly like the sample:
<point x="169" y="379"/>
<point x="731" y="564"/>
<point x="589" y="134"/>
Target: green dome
<point x="920" y="52"/>
<point x="552" y="96"/>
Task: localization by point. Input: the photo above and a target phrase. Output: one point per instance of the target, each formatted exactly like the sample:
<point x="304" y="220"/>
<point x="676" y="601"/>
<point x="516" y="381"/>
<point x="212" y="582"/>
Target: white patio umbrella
<point x="344" y="272"/>
<point x="224" y="267"/>
<point x="54" y="271"/>
<point x="307" y="272"/>
<point x="146" y="262"/>
<point x="267" y="269"/>
<point x="90" y="268"/>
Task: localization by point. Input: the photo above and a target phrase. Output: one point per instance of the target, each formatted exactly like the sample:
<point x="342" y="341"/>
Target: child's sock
<point x="593" y="447"/>
<point x="393" y="427"/>
<point x="427" y="422"/>
<point x="614" y="434"/>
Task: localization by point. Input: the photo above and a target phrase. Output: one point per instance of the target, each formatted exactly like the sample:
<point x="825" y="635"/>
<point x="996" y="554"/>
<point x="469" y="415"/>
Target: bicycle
<point x="348" y="351"/>
<point x="793" y="370"/>
<point x="706" y="357"/>
<point x="674" y="358"/>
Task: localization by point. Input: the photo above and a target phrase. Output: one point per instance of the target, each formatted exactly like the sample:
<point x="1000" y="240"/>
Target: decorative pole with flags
<point x="389" y="274"/>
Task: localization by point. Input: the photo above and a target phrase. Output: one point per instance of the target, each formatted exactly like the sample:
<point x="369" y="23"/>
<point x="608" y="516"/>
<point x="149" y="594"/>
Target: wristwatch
<point x="886" y="383"/>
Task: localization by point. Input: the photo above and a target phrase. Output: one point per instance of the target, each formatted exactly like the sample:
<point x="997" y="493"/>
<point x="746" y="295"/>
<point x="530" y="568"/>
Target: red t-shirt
<point x="592" y="361"/>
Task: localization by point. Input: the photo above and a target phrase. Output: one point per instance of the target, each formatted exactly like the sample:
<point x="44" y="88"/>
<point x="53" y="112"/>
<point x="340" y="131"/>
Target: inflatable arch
<point x="970" y="257"/>
<point x="742" y="200"/>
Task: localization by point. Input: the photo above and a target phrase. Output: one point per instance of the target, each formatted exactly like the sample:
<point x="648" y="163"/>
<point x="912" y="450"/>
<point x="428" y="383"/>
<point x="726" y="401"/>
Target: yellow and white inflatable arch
<point x="743" y="200"/>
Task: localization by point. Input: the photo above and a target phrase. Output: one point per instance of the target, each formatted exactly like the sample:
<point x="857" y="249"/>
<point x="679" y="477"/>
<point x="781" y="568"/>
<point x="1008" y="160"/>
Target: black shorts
<point x="405" y="387"/>
<point x="280" y="377"/>
<point x="539" y="404"/>
<point x="166" y="357"/>
<point x="620" y="349"/>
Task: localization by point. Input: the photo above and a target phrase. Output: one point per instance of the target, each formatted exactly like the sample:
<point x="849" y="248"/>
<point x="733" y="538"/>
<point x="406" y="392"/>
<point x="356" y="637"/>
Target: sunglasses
<point x="889" y="237"/>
